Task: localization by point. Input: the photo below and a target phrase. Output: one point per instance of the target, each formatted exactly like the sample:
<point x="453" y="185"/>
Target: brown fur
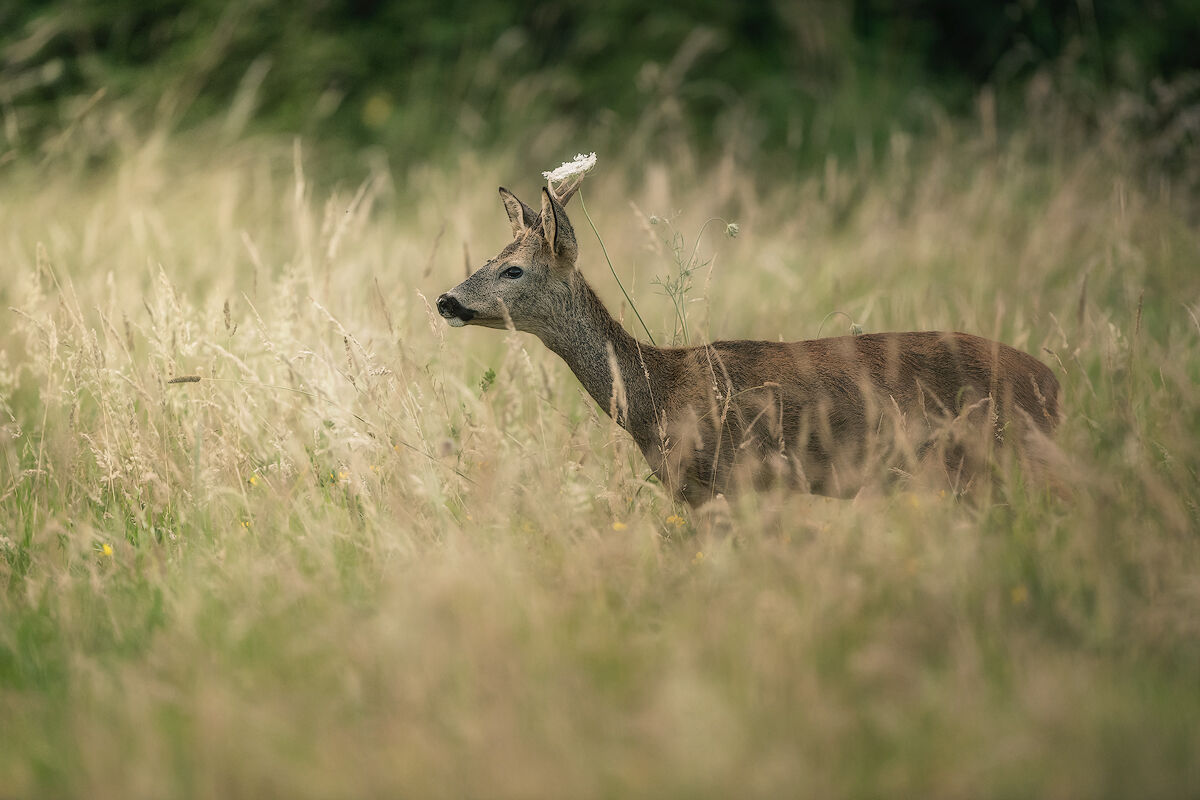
<point x="823" y="415"/>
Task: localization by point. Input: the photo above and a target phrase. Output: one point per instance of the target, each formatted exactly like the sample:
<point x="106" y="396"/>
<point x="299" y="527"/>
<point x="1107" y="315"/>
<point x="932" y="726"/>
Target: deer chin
<point x="481" y="322"/>
<point x="489" y="322"/>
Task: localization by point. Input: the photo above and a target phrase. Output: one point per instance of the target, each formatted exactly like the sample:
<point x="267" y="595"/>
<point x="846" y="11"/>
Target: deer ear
<point x="520" y="216"/>
<point x="557" y="228"/>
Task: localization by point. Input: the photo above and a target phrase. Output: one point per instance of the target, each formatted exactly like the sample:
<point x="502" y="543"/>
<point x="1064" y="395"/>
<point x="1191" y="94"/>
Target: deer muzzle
<point x="453" y="311"/>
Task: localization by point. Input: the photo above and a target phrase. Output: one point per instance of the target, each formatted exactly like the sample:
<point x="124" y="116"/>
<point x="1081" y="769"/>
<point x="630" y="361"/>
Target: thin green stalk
<point x="685" y="267"/>
<point x="699" y="236"/>
<point x="680" y="315"/>
<point x="613" y="270"/>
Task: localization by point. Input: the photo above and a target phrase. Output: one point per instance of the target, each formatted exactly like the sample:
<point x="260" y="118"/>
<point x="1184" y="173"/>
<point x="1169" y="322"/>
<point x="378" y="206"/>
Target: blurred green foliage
<point x="1114" y="44"/>
<point x="807" y="79"/>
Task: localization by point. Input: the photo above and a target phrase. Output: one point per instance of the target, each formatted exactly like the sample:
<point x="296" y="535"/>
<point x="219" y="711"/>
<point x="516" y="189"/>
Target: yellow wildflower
<point x="106" y="549"/>
<point x="698" y="558"/>
<point x="377" y="110"/>
<point x="246" y="523"/>
<point x="619" y="526"/>
<point x="676" y="520"/>
<point x="254" y="480"/>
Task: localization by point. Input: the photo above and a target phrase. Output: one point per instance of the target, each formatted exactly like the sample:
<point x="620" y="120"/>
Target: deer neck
<point x="593" y="344"/>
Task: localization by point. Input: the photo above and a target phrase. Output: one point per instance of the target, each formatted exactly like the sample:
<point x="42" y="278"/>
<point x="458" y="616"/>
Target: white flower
<point x="579" y="166"/>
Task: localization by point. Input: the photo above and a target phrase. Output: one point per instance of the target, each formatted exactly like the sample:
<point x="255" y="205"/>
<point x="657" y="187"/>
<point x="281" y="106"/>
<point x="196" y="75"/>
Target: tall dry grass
<point x="365" y="554"/>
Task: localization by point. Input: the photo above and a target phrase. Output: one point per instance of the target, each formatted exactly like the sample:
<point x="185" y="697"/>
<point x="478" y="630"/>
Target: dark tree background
<point x="421" y="76"/>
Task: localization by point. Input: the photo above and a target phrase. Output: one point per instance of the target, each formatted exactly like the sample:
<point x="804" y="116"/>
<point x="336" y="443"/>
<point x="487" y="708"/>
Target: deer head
<point x="529" y="279"/>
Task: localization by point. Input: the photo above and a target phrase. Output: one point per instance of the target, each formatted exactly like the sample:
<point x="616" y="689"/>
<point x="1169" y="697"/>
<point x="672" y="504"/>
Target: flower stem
<point x="613" y="270"/>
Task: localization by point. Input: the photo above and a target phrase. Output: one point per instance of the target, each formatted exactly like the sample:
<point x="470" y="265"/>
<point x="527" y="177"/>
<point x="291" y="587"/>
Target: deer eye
<point x="512" y="272"/>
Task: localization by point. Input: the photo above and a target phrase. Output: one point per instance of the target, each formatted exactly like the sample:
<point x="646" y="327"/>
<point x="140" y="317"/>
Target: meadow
<point x="271" y="528"/>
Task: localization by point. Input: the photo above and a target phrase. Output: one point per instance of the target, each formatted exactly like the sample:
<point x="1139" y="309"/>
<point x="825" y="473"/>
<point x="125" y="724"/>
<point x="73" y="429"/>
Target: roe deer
<point x="820" y="415"/>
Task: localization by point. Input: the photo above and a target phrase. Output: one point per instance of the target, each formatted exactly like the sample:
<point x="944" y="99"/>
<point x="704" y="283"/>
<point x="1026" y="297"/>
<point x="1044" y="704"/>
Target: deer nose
<point x="449" y="307"/>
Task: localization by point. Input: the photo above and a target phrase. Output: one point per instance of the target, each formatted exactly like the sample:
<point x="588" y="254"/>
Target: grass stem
<point x="583" y="207"/>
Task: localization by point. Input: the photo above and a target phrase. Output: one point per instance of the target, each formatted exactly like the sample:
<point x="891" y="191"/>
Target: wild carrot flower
<point x="580" y="165"/>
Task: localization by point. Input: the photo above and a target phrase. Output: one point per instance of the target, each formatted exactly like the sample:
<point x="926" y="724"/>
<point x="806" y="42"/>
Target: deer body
<point x="821" y="415"/>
